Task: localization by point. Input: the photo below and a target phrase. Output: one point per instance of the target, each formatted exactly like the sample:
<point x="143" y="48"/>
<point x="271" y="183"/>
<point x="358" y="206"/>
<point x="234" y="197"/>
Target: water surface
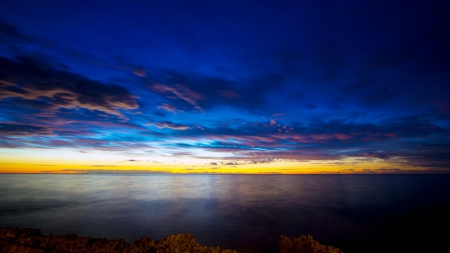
<point x="357" y="213"/>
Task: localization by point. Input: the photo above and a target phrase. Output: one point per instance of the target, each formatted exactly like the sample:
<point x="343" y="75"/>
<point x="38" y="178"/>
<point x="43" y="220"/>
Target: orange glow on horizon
<point x="95" y="162"/>
<point x="270" y="168"/>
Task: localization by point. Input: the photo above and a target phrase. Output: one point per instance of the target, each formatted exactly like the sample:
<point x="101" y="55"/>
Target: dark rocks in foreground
<point x="30" y="240"/>
<point x="304" y="244"/>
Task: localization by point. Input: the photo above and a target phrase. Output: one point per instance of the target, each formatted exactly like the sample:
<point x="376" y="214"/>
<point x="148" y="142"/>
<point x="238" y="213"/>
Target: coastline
<point x="30" y="240"/>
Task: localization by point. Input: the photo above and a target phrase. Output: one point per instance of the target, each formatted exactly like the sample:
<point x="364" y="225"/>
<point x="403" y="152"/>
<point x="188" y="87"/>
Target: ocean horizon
<point x="356" y="213"/>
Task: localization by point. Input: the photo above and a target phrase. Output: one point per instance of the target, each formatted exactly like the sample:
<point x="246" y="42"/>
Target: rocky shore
<point x="30" y="240"/>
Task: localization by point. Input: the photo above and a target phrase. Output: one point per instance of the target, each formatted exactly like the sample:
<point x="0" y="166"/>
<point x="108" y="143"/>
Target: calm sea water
<point x="357" y="213"/>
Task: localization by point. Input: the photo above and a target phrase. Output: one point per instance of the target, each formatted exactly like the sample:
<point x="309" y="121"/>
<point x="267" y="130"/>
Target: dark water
<point x="357" y="213"/>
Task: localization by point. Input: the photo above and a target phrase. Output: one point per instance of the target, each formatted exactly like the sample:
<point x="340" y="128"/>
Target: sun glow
<point x="76" y="161"/>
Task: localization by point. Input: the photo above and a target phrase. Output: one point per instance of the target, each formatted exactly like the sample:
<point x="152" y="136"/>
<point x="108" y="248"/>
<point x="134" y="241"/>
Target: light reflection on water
<point x="244" y="212"/>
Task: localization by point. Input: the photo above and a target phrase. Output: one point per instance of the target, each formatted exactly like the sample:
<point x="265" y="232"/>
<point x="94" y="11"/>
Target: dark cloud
<point x="229" y="94"/>
<point x="358" y="87"/>
<point x="310" y="106"/>
<point x="35" y="104"/>
<point x="431" y="156"/>
<point x="376" y="155"/>
<point x="378" y="95"/>
<point x="9" y="33"/>
<point x="27" y="79"/>
<point x="160" y="114"/>
<point x="393" y="56"/>
<point x="296" y="95"/>
<point x="23" y="130"/>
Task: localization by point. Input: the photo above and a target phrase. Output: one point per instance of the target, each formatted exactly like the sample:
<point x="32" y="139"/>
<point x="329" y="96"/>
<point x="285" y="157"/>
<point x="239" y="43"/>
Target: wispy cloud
<point x="229" y="94"/>
<point x="167" y="107"/>
<point x="168" y="124"/>
<point x="140" y="72"/>
<point x="180" y="91"/>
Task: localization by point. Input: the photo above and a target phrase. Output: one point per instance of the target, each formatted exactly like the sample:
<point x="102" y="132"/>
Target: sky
<point x="291" y="87"/>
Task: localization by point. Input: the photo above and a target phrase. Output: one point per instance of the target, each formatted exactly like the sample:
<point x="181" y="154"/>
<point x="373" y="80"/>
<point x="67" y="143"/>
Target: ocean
<point x="356" y="213"/>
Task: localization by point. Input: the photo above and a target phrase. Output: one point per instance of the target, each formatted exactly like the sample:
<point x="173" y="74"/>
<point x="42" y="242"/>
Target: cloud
<point x="23" y="130"/>
<point x="329" y="141"/>
<point x="207" y="92"/>
<point x="383" y="170"/>
<point x="167" y="107"/>
<point x="106" y="171"/>
<point x="140" y="72"/>
<point x="229" y="94"/>
<point x="180" y="91"/>
<point x="376" y="155"/>
<point x="273" y="122"/>
<point x="168" y="124"/>
<point x="310" y="106"/>
<point x="9" y="32"/>
<point x="27" y="79"/>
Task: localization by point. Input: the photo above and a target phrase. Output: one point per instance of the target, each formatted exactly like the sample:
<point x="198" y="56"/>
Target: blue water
<point x="357" y="213"/>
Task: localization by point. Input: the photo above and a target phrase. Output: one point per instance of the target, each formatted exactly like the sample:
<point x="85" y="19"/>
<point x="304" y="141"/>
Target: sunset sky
<point x="225" y="86"/>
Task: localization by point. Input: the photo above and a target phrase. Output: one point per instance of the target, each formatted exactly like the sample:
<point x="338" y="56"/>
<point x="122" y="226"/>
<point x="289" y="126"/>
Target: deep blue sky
<point x="228" y="82"/>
